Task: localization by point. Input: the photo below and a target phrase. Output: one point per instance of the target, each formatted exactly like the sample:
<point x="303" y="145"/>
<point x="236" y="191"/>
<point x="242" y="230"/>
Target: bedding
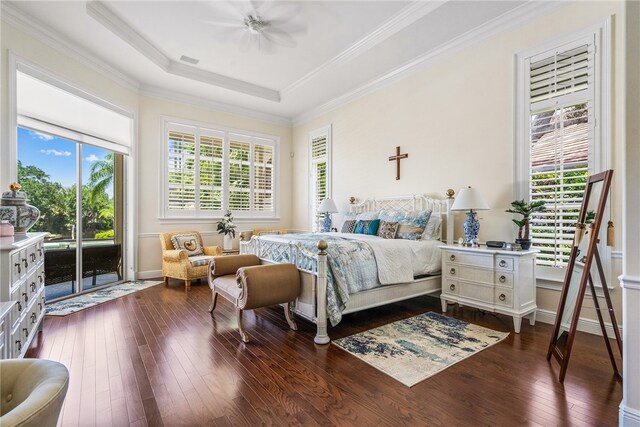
<point x="358" y="262"/>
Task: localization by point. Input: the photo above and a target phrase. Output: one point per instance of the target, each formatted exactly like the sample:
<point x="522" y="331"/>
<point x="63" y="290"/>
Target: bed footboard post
<point x="321" y="296"/>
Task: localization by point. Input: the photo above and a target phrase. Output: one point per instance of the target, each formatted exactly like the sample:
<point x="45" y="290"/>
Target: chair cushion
<point x="200" y="260"/>
<point x="227" y="286"/>
<point x="188" y="242"/>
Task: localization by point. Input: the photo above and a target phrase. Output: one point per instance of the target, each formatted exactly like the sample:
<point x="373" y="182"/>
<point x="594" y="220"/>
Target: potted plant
<point x="228" y="228"/>
<point x="525" y="209"/>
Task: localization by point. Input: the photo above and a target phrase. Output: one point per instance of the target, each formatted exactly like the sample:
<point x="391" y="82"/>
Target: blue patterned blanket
<point x="351" y="267"/>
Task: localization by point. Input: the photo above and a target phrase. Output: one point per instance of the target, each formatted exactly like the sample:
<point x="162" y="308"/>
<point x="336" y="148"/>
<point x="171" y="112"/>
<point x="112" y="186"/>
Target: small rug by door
<point x="71" y="305"/>
<point x="414" y="349"/>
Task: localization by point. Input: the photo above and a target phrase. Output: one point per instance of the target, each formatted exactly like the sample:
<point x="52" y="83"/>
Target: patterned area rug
<point x="414" y="349"/>
<point x="71" y="305"/>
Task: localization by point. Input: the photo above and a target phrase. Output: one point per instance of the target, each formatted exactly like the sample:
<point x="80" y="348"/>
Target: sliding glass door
<point x="79" y="191"/>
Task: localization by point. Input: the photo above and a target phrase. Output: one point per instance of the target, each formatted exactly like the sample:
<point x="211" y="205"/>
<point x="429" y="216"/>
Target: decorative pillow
<point x="348" y="226"/>
<point x="433" y="230"/>
<point x="367" y="227"/>
<point x="388" y="230"/>
<point x="188" y="242"/>
<point x="411" y="224"/>
<point x="367" y="216"/>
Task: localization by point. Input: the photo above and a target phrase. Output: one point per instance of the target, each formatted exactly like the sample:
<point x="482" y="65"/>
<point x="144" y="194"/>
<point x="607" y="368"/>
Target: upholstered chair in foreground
<point x="32" y="392"/>
<point x="248" y="285"/>
<point x="184" y="257"/>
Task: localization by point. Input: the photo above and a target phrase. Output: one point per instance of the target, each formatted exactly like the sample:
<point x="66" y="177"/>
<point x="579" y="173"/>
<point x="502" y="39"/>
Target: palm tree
<point x="101" y="175"/>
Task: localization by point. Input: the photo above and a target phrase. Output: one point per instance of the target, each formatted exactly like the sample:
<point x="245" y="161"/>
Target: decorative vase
<point x="227" y="243"/>
<point x="14" y="208"/>
<point x="471" y="226"/>
<point x="524" y="243"/>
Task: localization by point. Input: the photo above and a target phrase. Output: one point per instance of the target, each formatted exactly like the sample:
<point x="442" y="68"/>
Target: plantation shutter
<point x="263" y="178"/>
<point x="239" y="175"/>
<point x="561" y="141"/>
<point x="319" y="187"/>
<point x="211" y="163"/>
<point x="181" y="170"/>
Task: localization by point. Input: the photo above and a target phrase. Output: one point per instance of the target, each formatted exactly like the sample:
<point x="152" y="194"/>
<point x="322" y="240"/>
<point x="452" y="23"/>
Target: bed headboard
<point x="414" y="202"/>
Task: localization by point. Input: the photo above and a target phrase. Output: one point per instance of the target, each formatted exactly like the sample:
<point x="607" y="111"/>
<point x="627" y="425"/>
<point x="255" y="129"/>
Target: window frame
<point x="600" y="34"/>
<point x="319" y="132"/>
<point x="168" y="215"/>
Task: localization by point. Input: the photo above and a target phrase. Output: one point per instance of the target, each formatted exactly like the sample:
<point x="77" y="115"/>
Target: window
<point x="211" y="170"/>
<point x="560" y="138"/>
<point x="319" y="171"/>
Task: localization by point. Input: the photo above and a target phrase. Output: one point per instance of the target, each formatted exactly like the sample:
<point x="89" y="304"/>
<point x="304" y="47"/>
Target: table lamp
<point x="328" y="207"/>
<point x="470" y="199"/>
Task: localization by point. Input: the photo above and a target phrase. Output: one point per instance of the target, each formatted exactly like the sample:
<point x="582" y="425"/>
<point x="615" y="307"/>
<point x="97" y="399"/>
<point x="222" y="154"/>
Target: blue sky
<point x="57" y="156"/>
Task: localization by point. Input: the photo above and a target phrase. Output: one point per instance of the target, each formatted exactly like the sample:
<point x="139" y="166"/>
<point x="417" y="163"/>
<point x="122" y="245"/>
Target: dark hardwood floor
<point x="157" y="357"/>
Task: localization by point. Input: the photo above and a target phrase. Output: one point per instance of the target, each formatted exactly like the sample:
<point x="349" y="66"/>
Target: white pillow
<point x="367" y="216"/>
<point x="433" y="230"/>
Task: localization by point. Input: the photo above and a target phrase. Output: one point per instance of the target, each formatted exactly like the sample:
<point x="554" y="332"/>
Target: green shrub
<point x="105" y="235"/>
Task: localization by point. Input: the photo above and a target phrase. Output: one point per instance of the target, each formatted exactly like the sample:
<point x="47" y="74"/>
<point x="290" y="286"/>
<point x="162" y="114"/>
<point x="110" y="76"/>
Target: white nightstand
<point x="492" y="280"/>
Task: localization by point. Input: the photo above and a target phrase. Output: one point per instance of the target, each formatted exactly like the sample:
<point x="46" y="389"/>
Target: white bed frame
<point x="312" y="302"/>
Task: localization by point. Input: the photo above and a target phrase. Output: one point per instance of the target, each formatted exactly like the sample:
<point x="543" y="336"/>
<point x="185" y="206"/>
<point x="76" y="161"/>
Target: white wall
<point x="147" y="156"/>
<point x="456" y="119"/>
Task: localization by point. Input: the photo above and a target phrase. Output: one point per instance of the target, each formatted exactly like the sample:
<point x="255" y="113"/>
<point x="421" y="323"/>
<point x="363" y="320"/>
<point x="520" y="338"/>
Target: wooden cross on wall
<point x="397" y="159"/>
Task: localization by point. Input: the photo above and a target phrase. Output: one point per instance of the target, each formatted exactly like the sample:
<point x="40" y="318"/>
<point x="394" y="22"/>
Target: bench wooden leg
<point x="290" y="321"/>
<point x="165" y="279"/>
<point x="243" y="334"/>
<point x="214" y="300"/>
<point x="187" y="284"/>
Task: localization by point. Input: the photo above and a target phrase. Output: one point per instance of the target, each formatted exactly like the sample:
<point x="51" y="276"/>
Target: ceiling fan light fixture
<point x="255" y="23"/>
<point x="188" y="59"/>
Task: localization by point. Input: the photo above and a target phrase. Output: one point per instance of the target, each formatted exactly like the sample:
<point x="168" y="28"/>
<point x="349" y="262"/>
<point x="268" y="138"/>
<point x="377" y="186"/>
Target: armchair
<point x="178" y="265"/>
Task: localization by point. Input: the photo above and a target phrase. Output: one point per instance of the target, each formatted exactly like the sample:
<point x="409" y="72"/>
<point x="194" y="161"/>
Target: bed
<point x="343" y="273"/>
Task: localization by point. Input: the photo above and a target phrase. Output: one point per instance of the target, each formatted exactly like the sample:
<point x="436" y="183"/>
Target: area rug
<point x="71" y="305"/>
<point x="414" y="349"/>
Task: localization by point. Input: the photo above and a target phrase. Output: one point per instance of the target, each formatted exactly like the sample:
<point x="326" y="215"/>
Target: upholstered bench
<point x="247" y="284"/>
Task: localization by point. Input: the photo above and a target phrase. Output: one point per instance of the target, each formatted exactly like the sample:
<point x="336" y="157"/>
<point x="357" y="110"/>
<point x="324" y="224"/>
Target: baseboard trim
<point x="149" y="274"/>
<point x="628" y="417"/>
<point x="589" y="326"/>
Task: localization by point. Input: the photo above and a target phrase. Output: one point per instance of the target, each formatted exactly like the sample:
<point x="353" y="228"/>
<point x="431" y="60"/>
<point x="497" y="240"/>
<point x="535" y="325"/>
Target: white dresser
<point x="493" y="280"/>
<point x="22" y="282"/>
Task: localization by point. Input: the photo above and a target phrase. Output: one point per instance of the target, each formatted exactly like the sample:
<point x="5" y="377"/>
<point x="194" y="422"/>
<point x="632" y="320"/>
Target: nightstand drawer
<point x="476" y="260"/>
<point x="471" y="274"/>
<point x="503" y="297"/>
<point x="451" y="287"/>
<point x="504" y="279"/>
<point x="476" y="292"/>
<point x="504" y="263"/>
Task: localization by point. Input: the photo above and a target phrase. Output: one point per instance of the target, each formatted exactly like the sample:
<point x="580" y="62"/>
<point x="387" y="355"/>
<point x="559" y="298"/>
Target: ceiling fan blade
<point x="223" y="23"/>
<point x="246" y="41"/>
<point x="279" y="37"/>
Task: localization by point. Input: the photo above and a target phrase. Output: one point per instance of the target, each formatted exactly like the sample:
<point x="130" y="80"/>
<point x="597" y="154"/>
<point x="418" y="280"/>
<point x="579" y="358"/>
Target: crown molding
<point x="396" y="23"/>
<point x="169" y="95"/>
<point x="111" y="21"/>
<point x="504" y="22"/>
<point x="40" y="31"/>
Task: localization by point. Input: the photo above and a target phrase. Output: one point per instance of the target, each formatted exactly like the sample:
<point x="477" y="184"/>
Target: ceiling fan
<point x="264" y="26"/>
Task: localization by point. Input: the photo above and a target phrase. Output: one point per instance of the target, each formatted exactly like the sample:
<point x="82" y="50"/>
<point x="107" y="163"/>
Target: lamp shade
<point x="468" y="199"/>
<point x="327" y="205"/>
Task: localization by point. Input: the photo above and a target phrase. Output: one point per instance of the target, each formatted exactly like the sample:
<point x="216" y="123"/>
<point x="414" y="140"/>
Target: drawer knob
<point x="503" y="263"/>
<point x="33" y="257"/>
<point x="452" y="257"/>
<point x="33" y="318"/>
<point x="26" y="298"/>
<point x="502" y="279"/>
<point x="19" y="267"/>
<point x="40" y="279"/>
<point x="19" y="343"/>
<point x="19" y="306"/>
<point x="40" y="306"/>
<point x="502" y="297"/>
<point x="26" y="332"/>
<point x="452" y="271"/>
<point x="452" y="287"/>
<point x="40" y="251"/>
<point x="33" y="286"/>
<point x="24" y="261"/>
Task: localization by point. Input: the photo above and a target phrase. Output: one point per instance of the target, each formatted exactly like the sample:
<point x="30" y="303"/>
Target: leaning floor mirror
<point x="584" y="264"/>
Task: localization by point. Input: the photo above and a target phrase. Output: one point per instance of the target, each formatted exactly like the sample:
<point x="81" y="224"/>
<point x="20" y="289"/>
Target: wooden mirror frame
<point x="562" y="356"/>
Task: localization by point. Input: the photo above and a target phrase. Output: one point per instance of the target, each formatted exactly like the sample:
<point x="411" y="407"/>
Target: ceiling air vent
<point x="190" y="60"/>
